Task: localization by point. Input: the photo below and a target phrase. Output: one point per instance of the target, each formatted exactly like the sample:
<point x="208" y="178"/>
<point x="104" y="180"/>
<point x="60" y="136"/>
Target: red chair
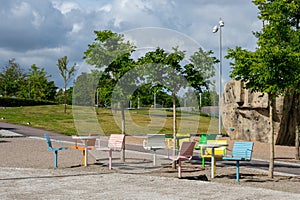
<point x="185" y="153"/>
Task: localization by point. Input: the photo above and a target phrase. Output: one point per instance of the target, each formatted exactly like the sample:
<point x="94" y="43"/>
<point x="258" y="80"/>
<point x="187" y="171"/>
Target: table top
<point x="212" y="145"/>
<point x="84" y="137"/>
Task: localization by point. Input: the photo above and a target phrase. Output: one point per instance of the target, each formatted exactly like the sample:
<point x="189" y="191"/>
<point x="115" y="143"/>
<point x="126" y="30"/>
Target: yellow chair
<point x="219" y="152"/>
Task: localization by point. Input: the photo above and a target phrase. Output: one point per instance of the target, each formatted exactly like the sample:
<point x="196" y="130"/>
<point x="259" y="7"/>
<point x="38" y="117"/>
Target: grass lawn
<point x="54" y="119"/>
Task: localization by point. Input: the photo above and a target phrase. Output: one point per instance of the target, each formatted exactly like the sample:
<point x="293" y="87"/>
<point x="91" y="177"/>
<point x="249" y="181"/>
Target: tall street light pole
<point x="215" y="29"/>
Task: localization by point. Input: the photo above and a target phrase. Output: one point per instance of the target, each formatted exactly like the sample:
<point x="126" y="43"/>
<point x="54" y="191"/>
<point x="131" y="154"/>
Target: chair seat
<point x="179" y="158"/>
<point x="154" y="148"/>
<point x="209" y="156"/>
<point x="108" y="149"/>
<point x="235" y="159"/>
<point x="59" y="148"/>
<point x="197" y="148"/>
<point x="82" y="148"/>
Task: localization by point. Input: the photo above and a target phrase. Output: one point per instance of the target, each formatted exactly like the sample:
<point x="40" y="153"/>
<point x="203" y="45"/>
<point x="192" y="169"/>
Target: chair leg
<point x="83" y="158"/>
<point x="237" y="171"/>
<point x="154" y="158"/>
<point x="179" y="168"/>
<point x="215" y="167"/>
<point x="55" y="159"/>
<point x="203" y="162"/>
<point x="110" y="159"/>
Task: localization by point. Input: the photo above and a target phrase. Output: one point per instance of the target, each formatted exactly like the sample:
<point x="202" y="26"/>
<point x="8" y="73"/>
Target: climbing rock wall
<point x="245" y="115"/>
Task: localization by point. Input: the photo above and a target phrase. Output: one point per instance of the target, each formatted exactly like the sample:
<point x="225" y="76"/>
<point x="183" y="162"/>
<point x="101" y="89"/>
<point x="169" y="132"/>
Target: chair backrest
<point x="116" y="141"/>
<point x="219" y="150"/>
<point x="92" y="142"/>
<point x="48" y="141"/>
<point x="187" y="149"/>
<point x="242" y="150"/>
<point x="205" y="137"/>
<point x="156" y="140"/>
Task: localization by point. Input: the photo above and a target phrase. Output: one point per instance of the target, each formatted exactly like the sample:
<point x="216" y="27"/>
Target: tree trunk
<point x="174" y="129"/>
<point x="123" y="131"/>
<point x="296" y="115"/>
<point x="297" y="143"/>
<point x="65" y="99"/>
<point x="271" y="164"/>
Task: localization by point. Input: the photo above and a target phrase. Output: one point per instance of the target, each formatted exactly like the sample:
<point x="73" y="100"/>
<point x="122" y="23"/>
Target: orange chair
<point x="81" y="147"/>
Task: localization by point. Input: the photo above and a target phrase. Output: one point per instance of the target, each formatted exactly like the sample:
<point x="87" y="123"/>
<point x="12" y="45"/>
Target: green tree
<point x="111" y="53"/>
<point x="37" y="86"/>
<point x="197" y="73"/>
<point x="10" y="79"/>
<point x="85" y="87"/>
<point x="66" y="74"/>
<point x="273" y="68"/>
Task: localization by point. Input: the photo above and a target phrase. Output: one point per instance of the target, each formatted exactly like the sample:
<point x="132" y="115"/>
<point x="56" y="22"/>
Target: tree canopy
<point x="273" y="68"/>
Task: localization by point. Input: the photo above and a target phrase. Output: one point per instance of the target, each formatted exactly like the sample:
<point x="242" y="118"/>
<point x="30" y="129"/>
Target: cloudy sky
<point x="41" y="31"/>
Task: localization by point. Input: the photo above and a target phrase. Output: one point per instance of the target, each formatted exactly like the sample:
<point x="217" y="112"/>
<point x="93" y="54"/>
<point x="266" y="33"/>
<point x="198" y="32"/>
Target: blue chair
<point x="242" y="151"/>
<point x="54" y="150"/>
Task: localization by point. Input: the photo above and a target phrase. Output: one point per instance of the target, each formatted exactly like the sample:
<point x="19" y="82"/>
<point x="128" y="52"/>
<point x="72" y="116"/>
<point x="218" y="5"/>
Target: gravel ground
<point x="27" y="173"/>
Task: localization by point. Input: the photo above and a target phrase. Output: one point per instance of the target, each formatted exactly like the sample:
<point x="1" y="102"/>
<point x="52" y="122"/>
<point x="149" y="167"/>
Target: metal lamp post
<point x="215" y="29"/>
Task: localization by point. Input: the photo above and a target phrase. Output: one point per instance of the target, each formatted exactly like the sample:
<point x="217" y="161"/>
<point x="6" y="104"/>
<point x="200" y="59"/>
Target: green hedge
<point x="16" y="102"/>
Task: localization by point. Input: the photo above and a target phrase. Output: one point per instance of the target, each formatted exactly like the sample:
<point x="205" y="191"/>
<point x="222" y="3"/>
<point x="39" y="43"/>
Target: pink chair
<point x="115" y="143"/>
<point x="185" y="153"/>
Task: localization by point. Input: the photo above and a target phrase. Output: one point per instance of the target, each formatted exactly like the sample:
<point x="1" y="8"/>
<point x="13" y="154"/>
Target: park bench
<point x="153" y="143"/>
<point x="242" y="151"/>
<point x="54" y="150"/>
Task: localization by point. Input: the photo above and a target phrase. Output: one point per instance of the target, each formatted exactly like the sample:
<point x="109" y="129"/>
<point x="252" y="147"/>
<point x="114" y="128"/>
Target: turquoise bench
<point x="242" y="151"/>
